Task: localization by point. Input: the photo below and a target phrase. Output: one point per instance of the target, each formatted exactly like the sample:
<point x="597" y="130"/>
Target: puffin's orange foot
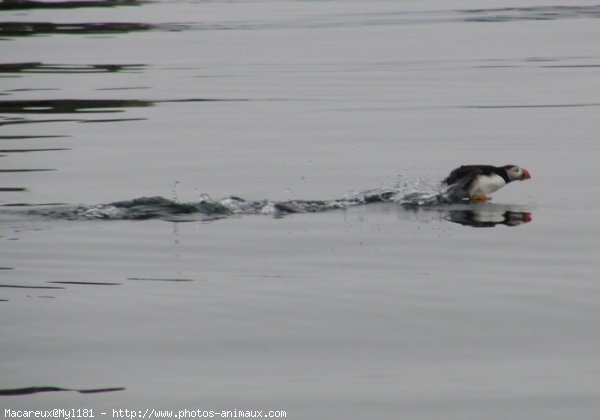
<point x="480" y="198"/>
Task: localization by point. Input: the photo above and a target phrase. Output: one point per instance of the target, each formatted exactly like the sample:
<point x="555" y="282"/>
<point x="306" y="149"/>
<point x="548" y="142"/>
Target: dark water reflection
<point x="38" y="389"/>
<point x="83" y="28"/>
<point x="32" y="150"/>
<point x="30" y="137"/>
<point x="67" y="106"/>
<point x="24" y="170"/>
<point x="87" y="283"/>
<point x="32" y="4"/>
<point x="23" y="286"/>
<point x="507" y="14"/>
<point x="37" y="67"/>
<point x="159" y="279"/>
<point x="81" y="106"/>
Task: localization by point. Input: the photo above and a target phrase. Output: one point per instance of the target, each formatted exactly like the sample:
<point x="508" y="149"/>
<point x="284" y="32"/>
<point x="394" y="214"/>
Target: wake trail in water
<point x="206" y="208"/>
<point x="410" y="194"/>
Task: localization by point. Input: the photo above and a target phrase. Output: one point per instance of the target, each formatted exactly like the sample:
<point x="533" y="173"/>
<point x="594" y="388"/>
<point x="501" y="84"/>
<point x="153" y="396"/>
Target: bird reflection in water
<point x="468" y="213"/>
<point x="482" y="218"/>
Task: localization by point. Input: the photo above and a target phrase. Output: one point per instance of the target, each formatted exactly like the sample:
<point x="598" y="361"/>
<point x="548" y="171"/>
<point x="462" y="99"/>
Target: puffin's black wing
<point x="465" y="175"/>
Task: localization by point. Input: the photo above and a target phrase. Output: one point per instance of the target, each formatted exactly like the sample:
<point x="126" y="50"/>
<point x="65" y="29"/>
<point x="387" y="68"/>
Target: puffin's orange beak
<point x="526" y="174"/>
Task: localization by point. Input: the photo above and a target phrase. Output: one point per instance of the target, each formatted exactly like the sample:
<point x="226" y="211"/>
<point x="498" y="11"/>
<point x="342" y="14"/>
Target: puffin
<point x="476" y="182"/>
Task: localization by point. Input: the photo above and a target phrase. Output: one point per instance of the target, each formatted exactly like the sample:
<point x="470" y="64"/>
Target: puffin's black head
<point x="516" y="173"/>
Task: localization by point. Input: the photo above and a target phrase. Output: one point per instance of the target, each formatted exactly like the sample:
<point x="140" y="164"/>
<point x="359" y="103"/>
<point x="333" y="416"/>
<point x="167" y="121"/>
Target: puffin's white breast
<point x="486" y="184"/>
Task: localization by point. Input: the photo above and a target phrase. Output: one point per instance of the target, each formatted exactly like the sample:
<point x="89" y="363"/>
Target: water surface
<point x="202" y="208"/>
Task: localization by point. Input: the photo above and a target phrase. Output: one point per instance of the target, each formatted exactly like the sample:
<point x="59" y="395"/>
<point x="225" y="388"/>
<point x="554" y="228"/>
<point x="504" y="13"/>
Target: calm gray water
<point x="201" y="208"/>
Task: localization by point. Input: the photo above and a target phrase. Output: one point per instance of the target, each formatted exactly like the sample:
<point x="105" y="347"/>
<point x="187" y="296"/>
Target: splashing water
<point x="205" y="208"/>
<point x="420" y="193"/>
<point x="410" y="194"/>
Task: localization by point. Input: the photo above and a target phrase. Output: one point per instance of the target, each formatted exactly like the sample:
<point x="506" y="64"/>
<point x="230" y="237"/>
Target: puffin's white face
<point x="516" y="173"/>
